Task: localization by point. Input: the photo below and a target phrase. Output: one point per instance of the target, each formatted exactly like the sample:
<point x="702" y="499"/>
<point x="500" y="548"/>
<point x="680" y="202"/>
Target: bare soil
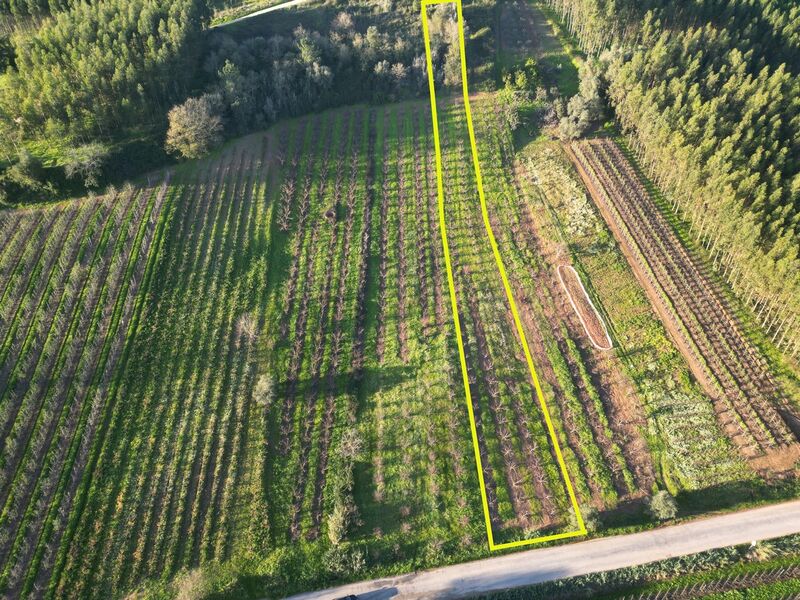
<point x="590" y="319"/>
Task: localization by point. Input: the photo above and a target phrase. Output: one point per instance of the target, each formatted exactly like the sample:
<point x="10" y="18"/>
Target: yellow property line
<point x="501" y="268"/>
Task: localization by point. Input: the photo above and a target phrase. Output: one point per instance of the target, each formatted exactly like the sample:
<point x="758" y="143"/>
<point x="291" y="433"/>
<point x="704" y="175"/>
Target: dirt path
<point x="263" y="11"/>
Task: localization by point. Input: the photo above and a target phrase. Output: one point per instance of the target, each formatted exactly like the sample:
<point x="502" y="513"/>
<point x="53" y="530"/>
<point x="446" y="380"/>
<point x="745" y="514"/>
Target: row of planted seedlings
<point x="351" y="427"/>
<point x="126" y="464"/>
<point x="376" y="313"/>
<point x="163" y="359"/>
<point x="135" y="500"/>
<point x="318" y="410"/>
<point x="62" y="520"/>
<point x="682" y="304"/>
<point x="703" y="301"/>
<point x="22" y="304"/>
<point x="232" y="357"/>
<point x="417" y="440"/>
<point x="289" y="256"/>
<point x="244" y="524"/>
<point x="15" y="226"/>
<point x="592" y="438"/>
<point x="35" y="417"/>
<point x="388" y="393"/>
<point x="742" y="371"/>
<point x="400" y="408"/>
<point x="747" y="366"/>
<point x="529" y="491"/>
<point x="124" y="314"/>
<point x="17" y="260"/>
<point x="310" y="309"/>
<point x="584" y="431"/>
<point x="455" y="235"/>
<point x="28" y="267"/>
<point x="466" y="253"/>
<point x="169" y="497"/>
<point x="33" y="412"/>
<point x="121" y="312"/>
<point x="488" y="381"/>
<point x="330" y="477"/>
<point x="88" y="346"/>
<point x="206" y="391"/>
<point x="249" y="279"/>
<point x="684" y="298"/>
<point x="315" y="310"/>
<point x="438" y="514"/>
<point x="454" y="484"/>
<point x="236" y="339"/>
<point x="22" y="393"/>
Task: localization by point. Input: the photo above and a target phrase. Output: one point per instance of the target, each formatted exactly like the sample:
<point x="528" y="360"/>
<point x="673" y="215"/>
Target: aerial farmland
<point x="350" y="297"/>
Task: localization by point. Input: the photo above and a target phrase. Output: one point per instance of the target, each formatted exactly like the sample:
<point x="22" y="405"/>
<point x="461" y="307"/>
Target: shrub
<point x="662" y="506"/>
<point x="192" y="585"/>
<point x="86" y="162"/>
<point x="337" y="523"/>
<point x="344" y="562"/>
<point x="264" y="391"/>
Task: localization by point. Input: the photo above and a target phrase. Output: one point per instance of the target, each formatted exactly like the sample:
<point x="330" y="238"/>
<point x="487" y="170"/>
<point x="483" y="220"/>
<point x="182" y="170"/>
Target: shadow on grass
<point x="737" y="494"/>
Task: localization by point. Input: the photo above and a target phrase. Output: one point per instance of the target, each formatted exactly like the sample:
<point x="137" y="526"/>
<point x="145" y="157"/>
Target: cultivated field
<point x="751" y="407"/>
<point x="255" y="358"/>
<point x="71" y="277"/>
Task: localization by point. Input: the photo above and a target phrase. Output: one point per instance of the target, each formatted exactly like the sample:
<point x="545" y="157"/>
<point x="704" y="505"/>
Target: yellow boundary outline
<point x="501" y="268"/>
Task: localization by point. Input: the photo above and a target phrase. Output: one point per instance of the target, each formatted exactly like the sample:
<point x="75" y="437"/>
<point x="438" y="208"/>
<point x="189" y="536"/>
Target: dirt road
<point x="263" y="11"/>
<point x="546" y="564"/>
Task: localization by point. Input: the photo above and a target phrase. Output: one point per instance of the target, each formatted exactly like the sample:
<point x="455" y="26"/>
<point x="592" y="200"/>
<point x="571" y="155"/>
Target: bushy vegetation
<point x="95" y="75"/>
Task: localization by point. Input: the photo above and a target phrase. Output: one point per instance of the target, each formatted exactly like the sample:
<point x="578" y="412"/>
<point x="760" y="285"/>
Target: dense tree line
<point x="708" y="92"/>
<point x="30" y="8"/>
<point x="101" y="68"/>
<point x="258" y="80"/>
<point x="91" y="76"/>
<point x="95" y="76"/>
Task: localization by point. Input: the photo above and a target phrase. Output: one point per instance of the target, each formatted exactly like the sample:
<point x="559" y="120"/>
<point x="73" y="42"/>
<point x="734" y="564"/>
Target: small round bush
<point x="662" y="506"/>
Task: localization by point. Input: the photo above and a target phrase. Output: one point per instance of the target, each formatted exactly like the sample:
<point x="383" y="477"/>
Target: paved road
<point x="546" y="564"/>
<point x="262" y="12"/>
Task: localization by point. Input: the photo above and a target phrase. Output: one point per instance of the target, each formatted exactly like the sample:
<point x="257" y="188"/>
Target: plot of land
<point x="750" y="405"/>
